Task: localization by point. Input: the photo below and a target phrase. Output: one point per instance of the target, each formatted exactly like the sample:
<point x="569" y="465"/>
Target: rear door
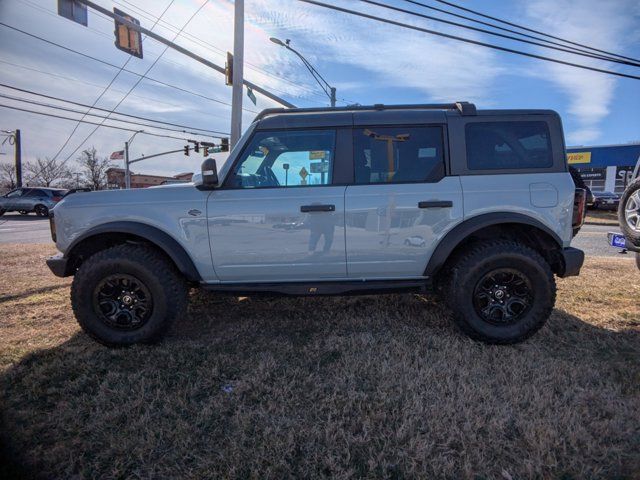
<point x="401" y="203"/>
<point x="279" y="216"/>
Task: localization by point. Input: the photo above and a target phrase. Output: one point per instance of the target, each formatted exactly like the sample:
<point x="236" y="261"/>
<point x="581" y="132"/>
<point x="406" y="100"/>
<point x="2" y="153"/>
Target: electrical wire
<point x="504" y="29"/>
<point x="141" y="78"/>
<point x="51" y="97"/>
<point x="466" y="40"/>
<point x="480" y="14"/>
<point x="160" y="82"/>
<point x="502" y="35"/>
<point x="94" y="123"/>
<point x="104" y="91"/>
<point x="81" y="112"/>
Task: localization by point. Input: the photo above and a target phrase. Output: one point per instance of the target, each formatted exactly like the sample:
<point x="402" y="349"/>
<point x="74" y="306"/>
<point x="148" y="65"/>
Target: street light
<point x="127" y="172"/>
<point x="326" y="88"/>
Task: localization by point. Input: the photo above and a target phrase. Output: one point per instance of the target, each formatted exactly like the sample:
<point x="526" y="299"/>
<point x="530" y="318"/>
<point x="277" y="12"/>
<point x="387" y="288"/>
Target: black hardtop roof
<point x="309" y="116"/>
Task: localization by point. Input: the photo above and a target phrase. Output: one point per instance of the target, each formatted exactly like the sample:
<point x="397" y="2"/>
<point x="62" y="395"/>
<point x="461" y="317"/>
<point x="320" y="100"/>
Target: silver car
<point x="31" y="199"/>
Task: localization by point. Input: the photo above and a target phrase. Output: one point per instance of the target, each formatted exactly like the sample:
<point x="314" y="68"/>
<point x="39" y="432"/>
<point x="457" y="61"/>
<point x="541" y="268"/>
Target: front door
<point x="401" y="203"/>
<point x="278" y="217"/>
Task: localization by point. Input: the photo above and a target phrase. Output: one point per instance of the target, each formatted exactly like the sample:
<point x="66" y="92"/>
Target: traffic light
<point x="224" y="144"/>
<point x="186" y="150"/>
<point x="196" y="147"/>
<point x="127" y="39"/>
<point x="228" y="70"/>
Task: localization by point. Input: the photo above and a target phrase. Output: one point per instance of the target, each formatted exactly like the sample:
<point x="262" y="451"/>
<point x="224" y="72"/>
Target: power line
<point x="502" y="35"/>
<point x="141" y="78"/>
<point x="51" y="97"/>
<point x="160" y="82"/>
<point x="65" y="109"/>
<point x="94" y="123"/>
<point x="480" y="14"/>
<point x="466" y="40"/>
<point x="504" y="29"/>
<point x="66" y="142"/>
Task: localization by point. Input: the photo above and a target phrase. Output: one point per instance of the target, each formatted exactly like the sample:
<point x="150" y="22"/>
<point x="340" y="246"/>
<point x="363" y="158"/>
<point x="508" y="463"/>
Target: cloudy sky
<point x="368" y="62"/>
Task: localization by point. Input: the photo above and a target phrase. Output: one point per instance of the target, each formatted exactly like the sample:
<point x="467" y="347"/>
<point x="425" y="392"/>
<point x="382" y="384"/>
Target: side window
<point x="15" y="194"/>
<point x="34" y="193"/>
<point x="508" y="145"/>
<point x="398" y="154"/>
<point x="291" y="158"/>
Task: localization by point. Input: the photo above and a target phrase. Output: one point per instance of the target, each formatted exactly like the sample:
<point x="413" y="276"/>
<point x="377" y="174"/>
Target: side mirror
<point x="209" y="175"/>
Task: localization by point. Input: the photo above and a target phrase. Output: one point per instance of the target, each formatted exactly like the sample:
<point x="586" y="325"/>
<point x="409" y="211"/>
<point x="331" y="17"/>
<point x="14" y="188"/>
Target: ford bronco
<point x="478" y="206"/>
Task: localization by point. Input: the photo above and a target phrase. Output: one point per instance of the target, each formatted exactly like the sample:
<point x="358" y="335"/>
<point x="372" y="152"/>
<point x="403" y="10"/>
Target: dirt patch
<point x="602" y="217"/>
<point x="321" y="387"/>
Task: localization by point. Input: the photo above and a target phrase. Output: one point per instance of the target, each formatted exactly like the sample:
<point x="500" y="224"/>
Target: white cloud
<point x="608" y="25"/>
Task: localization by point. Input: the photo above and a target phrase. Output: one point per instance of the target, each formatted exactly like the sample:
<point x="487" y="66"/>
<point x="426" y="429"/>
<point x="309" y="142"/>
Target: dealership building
<point x="605" y="168"/>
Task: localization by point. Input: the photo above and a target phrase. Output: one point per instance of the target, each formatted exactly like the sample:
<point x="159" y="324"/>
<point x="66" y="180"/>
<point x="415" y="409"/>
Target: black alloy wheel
<point x="41" y="211"/>
<point x="502" y="296"/>
<point x="122" y="302"/>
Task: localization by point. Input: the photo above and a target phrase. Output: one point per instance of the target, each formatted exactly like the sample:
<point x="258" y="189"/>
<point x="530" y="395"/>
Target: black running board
<point x="320" y="288"/>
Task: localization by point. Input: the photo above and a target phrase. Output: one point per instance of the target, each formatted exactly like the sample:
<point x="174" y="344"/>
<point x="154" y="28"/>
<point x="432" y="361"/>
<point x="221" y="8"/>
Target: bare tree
<point x="94" y="168"/>
<point x="7" y="176"/>
<point x="46" y="173"/>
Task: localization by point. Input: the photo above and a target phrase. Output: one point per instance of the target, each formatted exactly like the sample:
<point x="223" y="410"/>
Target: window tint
<point x="286" y="159"/>
<point x="33" y="193"/>
<point x="14" y="194"/>
<point x="398" y="154"/>
<point x="507" y="145"/>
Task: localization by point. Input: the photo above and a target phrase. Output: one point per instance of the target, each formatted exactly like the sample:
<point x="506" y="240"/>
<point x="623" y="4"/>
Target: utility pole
<point x="333" y="96"/>
<point x="18" y="153"/>
<point x="127" y="172"/>
<point x="238" y="62"/>
<point x="77" y="174"/>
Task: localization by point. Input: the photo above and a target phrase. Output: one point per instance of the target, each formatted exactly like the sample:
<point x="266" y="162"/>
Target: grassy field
<point x="321" y="387"/>
<point x="602" y="217"/>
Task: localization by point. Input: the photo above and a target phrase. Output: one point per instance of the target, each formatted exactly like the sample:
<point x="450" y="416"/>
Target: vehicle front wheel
<point x="127" y="294"/>
<point x="41" y="210"/>
<point x="501" y="292"/>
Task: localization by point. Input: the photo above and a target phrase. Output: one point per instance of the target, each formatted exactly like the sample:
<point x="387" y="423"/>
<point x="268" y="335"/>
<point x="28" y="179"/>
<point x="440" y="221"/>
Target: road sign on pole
<point x="73" y="10"/>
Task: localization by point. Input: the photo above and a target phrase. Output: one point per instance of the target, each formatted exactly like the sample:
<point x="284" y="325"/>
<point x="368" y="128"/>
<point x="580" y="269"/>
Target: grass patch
<point x="602" y="217"/>
<point x="321" y="387"/>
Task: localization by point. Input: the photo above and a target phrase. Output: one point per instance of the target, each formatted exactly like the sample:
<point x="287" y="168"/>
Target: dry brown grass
<point x="322" y="387"/>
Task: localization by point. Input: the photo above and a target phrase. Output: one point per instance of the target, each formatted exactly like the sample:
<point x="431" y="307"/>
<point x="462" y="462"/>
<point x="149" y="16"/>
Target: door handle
<point x="317" y="208"/>
<point x="436" y="204"/>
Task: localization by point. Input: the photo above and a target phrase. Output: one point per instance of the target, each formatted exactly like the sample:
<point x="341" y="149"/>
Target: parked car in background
<point x="605" y="201"/>
<point x="31" y="199"/>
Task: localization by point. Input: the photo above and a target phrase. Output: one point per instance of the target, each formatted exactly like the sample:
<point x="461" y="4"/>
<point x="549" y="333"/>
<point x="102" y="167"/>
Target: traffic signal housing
<point x="127" y="39"/>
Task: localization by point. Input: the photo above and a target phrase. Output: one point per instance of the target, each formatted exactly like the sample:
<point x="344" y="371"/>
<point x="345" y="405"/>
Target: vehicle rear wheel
<point x="41" y="210"/>
<point x="127" y="294"/>
<point x="501" y="292"/>
<point x="629" y="212"/>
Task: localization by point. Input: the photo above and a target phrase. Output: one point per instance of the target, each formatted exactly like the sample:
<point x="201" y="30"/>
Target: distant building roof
<point x="609" y="155"/>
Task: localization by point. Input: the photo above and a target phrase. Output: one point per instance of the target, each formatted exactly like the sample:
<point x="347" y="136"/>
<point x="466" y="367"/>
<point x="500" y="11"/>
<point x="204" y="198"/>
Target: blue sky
<point x="368" y="62"/>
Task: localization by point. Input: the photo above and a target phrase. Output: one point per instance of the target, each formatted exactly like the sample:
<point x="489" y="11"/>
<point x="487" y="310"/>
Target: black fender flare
<point x="154" y="235"/>
<point x="461" y="231"/>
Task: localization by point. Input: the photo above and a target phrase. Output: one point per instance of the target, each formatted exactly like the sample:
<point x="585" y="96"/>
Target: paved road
<point x="16" y="228"/>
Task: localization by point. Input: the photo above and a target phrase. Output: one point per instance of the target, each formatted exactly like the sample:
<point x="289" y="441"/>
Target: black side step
<point x="319" y="288"/>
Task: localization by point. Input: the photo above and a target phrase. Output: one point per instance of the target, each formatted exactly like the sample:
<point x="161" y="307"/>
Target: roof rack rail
<point x="465" y="108"/>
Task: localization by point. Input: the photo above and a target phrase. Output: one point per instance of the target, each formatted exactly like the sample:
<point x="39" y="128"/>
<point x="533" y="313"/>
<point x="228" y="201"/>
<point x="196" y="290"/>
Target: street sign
<point x="319" y="167"/>
<point x="73" y="10"/>
<point x="251" y="95"/>
<point x="303" y="173"/>
<point x="127" y="39"/>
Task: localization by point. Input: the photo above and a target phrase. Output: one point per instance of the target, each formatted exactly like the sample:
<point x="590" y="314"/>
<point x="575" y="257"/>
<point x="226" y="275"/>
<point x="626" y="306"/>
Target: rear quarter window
<point x="508" y="145"/>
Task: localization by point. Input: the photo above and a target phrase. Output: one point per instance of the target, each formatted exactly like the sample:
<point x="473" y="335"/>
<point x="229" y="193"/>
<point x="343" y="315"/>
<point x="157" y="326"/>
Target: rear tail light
<point x="56" y="199"/>
<point x="579" y="207"/>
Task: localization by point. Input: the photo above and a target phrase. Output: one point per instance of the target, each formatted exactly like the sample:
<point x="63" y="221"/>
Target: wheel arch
<point x="114" y="233"/>
<point x="498" y="225"/>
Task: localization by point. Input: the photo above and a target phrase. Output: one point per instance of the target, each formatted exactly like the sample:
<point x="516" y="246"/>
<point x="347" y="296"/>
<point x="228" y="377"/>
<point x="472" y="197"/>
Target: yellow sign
<point x="316" y="154"/>
<point x="303" y="173"/>
<point x="579" y="157"/>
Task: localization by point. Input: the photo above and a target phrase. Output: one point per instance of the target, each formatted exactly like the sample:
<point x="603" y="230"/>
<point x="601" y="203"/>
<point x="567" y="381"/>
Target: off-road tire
<point x="41" y="210"/>
<point x="466" y="272"/>
<point x="167" y="288"/>
<point x="632" y="190"/>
